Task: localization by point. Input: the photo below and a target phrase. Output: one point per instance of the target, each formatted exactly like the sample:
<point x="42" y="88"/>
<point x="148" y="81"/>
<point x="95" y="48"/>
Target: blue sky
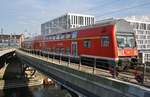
<point x="26" y="15"/>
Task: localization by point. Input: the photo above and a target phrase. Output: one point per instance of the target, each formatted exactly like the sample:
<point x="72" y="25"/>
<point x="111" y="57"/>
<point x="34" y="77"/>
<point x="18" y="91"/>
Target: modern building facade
<point x="141" y="26"/>
<point x="67" y="21"/>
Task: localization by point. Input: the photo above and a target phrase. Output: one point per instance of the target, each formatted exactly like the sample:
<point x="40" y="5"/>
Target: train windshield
<point x="126" y="40"/>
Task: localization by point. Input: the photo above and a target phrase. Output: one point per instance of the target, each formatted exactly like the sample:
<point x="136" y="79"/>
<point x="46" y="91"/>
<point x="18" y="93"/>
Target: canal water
<point x="35" y="91"/>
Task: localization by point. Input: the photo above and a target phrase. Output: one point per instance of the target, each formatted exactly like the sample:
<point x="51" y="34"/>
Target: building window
<point x="136" y="25"/>
<point x="92" y="20"/>
<point x="87" y="43"/>
<point x="105" y="41"/>
<point x="71" y="19"/>
<point x="81" y="20"/>
<point x="143" y="26"/>
<point x="148" y="27"/>
<point x="76" y="20"/>
<point x="85" y="20"/>
<point x="89" y="21"/>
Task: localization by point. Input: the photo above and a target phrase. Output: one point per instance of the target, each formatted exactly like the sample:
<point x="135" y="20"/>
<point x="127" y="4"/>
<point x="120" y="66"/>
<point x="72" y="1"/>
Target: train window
<point x="62" y="36"/>
<point x="54" y="37"/>
<point x="46" y="37"/>
<point x="49" y="37"/>
<point x="57" y="50"/>
<point x="74" y="35"/>
<point x="57" y="37"/>
<point x="49" y="50"/>
<point x="105" y="41"/>
<point x="52" y="50"/>
<point x="62" y="51"/>
<point x="87" y="43"/>
<point x="67" y="51"/>
<point x="68" y="36"/>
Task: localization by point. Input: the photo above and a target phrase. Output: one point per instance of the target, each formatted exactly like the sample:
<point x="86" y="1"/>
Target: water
<point x="36" y="91"/>
<point x="10" y="73"/>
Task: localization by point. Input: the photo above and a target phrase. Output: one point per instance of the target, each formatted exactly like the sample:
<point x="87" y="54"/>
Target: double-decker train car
<point x="110" y="43"/>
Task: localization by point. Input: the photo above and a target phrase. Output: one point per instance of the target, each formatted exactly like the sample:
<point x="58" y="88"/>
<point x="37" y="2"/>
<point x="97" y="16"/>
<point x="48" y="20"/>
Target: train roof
<point x="121" y="25"/>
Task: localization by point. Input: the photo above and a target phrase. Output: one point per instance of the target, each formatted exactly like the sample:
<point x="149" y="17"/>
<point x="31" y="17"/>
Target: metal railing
<point x="142" y="76"/>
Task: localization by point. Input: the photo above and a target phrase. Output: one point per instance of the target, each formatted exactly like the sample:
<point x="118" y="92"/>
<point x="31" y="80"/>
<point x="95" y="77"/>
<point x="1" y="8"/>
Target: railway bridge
<point x="5" y="54"/>
<point x="81" y="80"/>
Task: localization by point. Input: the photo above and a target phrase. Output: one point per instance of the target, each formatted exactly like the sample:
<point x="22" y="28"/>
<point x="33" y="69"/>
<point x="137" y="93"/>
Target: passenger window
<point x="49" y="37"/>
<point x="61" y="50"/>
<point x="87" y="43"/>
<point x="67" y="51"/>
<point x="54" y="37"/>
<point x="74" y="35"/>
<point x="68" y="36"/>
<point x="105" y="41"/>
<point x="62" y="36"/>
<point x="58" y="37"/>
<point x="57" y="50"/>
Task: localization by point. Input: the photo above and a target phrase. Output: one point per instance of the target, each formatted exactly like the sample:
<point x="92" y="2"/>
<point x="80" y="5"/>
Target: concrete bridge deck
<point x="87" y="84"/>
<point x="5" y="51"/>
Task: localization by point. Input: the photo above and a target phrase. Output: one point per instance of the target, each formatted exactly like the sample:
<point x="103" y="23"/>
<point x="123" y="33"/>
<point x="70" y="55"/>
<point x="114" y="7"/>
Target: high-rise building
<point x="67" y="21"/>
<point x="141" y="27"/>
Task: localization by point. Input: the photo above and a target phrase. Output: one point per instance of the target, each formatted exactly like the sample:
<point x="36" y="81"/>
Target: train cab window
<point x="87" y="43"/>
<point x="67" y="51"/>
<point x="68" y="36"/>
<point x="105" y="41"/>
<point x="126" y="41"/>
<point x="74" y="35"/>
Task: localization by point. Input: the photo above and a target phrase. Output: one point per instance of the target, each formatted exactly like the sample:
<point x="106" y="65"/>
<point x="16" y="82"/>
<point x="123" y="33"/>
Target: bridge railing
<point x="142" y="79"/>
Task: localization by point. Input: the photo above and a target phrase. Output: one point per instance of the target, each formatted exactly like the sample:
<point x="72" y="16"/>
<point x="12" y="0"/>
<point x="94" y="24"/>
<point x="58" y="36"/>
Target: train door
<point x="74" y="48"/>
<point x="74" y="44"/>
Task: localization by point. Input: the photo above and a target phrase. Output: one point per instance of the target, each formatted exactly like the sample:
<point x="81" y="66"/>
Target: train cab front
<point x="127" y="50"/>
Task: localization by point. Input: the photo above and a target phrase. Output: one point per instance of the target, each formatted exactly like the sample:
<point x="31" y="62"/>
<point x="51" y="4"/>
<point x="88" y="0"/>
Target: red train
<point x="110" y="43"/>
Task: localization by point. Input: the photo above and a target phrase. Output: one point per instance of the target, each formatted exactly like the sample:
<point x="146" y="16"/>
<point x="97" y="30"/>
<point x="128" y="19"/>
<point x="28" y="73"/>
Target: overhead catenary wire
<point x="124" y="9"/>
<point x="102" y="4"/>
